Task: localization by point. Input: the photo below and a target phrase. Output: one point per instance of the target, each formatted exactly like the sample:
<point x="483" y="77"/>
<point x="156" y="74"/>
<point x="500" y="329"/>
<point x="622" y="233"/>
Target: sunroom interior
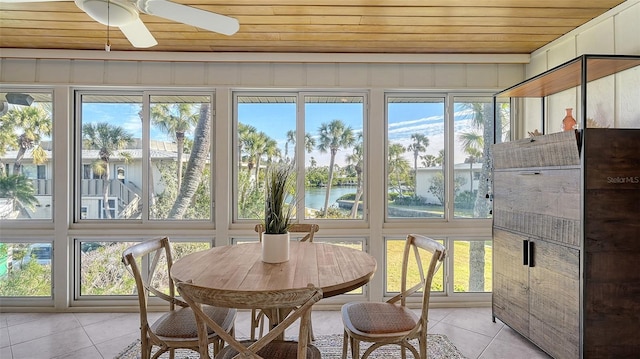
<point x="294" y="82"/>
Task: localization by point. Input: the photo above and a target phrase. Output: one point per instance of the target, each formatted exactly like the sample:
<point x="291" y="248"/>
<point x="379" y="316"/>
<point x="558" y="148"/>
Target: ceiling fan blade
<point x="138" y="34"/>
<point x="191" y="16"/>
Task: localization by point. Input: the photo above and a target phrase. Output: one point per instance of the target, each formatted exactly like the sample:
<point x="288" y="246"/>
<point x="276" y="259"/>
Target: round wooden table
<point x="335" y="269"/>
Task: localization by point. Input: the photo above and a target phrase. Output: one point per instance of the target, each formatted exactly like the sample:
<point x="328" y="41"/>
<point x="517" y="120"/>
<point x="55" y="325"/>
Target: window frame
<point x="78" y="172"/>
<point x="301" y="130"/>
<point x="445" y="170"/>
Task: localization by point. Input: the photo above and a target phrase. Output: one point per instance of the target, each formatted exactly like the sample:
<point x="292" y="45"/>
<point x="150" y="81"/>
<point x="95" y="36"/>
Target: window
<point x="25" y="269"/>
<point x="266" y="134"/>
<point x="131" y="142"/>
<point x="472" y="270"/>
<point x="393" y="263"/>
<point x="102" y="272"/>
<point x="110" y="130"/>
<point x="324" y="140"/>
<point x="108" y="211"/>
<point x="26" y="125"/>
<point x="33" y="171"/>
<point x="473" y="136"/>
<point x="415" y="157"/>
<point x="334" y="156"/>
<point x="180" y="157"/>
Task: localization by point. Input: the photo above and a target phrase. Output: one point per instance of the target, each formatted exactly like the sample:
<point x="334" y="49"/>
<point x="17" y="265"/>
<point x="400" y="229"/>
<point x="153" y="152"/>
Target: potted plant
<point x="279" y="206"/>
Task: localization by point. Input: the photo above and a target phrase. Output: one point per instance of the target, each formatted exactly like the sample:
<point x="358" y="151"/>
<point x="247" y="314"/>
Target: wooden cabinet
<point x="566" y="223"/>
<point x="566" y="241"/>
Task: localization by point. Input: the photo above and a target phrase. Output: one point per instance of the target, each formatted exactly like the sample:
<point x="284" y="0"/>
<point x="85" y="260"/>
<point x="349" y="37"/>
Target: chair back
<point x="152" y="278"/>
<point x="299" y="300"/>
<point x="155" y="277"/>
<point x="306" y="230"/>
<point x="427" y="255"/>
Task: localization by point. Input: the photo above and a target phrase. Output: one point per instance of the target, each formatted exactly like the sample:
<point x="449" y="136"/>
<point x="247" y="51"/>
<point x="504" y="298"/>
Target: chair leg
<point x="257" y="320"/>
<point x="345" y="344"/>
<point x="355" y="348"/>
<point x="312" y="337"/>
<point x="261" y="319"/>
<point x="145" y="350"/>
<point x="253" y="324"/>
<point x="423" y="348"/>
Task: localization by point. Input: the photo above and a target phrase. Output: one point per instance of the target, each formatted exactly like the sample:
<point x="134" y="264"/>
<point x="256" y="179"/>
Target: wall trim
<point x="254" y="57"/>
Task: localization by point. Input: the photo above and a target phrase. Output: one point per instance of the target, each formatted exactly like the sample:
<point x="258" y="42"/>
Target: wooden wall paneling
<point x="347" y="26"/>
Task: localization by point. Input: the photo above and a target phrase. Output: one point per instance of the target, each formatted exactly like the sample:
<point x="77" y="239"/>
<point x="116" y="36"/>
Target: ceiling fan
<point x="125" y="14"/>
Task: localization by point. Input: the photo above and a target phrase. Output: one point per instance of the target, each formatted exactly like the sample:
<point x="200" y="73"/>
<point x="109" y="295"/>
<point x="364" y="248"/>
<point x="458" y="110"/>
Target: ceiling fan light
<point x="111" y="13"/>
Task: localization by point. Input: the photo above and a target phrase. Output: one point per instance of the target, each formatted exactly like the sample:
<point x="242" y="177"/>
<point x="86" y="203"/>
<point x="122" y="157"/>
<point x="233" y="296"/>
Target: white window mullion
<point x="146" y="156"/>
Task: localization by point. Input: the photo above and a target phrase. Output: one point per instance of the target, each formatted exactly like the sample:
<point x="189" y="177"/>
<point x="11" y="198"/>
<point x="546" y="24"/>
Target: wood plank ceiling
<point x="318" y="26"/>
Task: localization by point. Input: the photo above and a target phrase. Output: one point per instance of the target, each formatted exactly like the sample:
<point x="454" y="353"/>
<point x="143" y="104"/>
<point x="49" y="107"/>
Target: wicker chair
<point x="269" y="346"/>
<point x="306" y="231"/>
<point x="177" y="328"/>
<point x="392" y="322"/>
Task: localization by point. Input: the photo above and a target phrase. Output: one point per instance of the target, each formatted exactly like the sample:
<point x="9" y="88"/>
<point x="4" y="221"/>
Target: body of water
<point x="314" y="197"/>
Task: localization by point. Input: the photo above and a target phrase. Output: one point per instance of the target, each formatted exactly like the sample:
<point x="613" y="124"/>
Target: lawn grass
<point x="460" y="268"/>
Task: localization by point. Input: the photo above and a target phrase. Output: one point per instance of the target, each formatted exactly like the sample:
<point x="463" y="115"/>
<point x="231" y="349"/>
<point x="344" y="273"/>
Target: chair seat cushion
<point x="276" y="349"/>
<point x="181" y="323"/>
<point x="378" y="318"/>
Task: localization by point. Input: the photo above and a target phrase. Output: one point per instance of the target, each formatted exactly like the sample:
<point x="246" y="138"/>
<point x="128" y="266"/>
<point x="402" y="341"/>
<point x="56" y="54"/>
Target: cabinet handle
<point x="529" y="173"/>
<point x="531" y="259"/>
<point x="525" y="252"/>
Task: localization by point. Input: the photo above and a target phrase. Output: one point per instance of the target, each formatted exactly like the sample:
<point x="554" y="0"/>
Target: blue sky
<point x="276" y="119"/>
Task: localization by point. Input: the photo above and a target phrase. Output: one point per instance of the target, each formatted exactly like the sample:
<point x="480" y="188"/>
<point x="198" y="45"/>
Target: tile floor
<point x="103" y="335"/>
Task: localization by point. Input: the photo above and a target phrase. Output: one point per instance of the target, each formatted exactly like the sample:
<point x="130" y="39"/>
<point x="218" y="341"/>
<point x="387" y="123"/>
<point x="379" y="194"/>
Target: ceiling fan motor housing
<point x="110" y="12"/>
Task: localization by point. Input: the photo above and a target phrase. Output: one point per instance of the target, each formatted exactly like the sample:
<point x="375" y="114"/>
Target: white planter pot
<point x="275" y="248"/>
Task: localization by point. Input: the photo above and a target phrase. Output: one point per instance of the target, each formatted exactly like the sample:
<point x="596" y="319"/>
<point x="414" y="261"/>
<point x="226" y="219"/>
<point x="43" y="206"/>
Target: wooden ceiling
<point x="318" y="26"/>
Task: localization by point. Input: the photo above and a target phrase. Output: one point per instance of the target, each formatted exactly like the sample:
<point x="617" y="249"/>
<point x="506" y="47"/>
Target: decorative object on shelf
<point x="568" y="122"/>
<point x="279" y="181"/>
<point x="591" y="123"/>
<point x="535" y="133"/>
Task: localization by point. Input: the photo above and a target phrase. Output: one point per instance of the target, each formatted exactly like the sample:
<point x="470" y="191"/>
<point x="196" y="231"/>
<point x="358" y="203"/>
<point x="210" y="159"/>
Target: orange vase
<point x="568" y="122"/>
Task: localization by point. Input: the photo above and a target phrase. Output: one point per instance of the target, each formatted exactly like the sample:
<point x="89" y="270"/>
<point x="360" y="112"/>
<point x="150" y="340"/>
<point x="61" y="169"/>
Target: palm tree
<point x="472" y="144"/>
<point x="429" y="160"/>
<point x="195" y="166"/>
<point x="261" y="146"/>
<point x="397" y="164"/>
<point x="176" y="120"/>
<point x="251" y="145"/>
<point x="291" y="139"/>
<point x="309" y="144"/>
<point x="440" y="158"/>
<point x="243" y="140"/>
<point x="7" y="139"/>
<point x="482" y="120"/>
<point x="34" y="122"/>
<point x="107" y="139"/>
<point x="356" y="160"/>
<point x="419" y="145"/>
<point x="19" y="190"/>
<point x="271" y="150"/>
<point x="333" y="136"/>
